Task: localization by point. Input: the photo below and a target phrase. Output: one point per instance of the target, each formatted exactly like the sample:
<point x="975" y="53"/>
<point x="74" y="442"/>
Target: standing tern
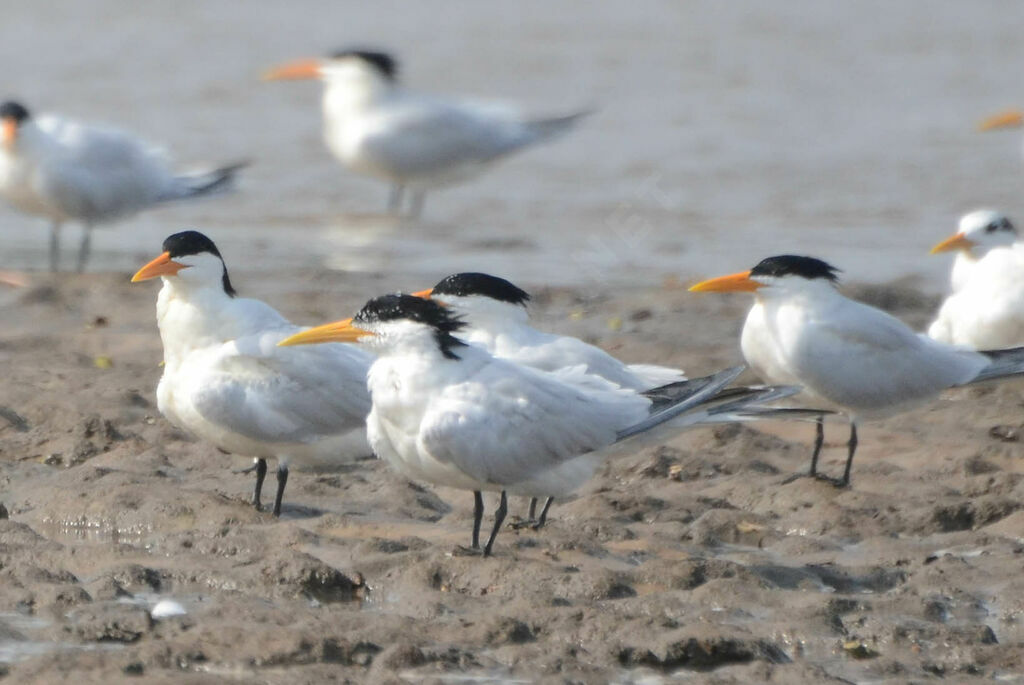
<point x="226" y="380"/>
<point x="858" y="359"/>
<point x="986" y="308"/>
<point x="63" y="171"/>
<point x="449" y="413"/>
<point x="415" y="141"/>
<point x="494" y="311"/>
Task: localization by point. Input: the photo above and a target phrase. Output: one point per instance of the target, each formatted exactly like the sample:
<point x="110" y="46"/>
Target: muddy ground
<point x="693" y="560"/>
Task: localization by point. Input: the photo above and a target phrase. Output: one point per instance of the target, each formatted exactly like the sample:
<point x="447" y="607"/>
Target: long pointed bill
<point x="1011" y="118"/>
<point x="339" y="331"/>
<point x="299" y="70"/>
<point x="425" y="294"/>
<point x="733" y="283"/>
<point x="8" y="131"/>
<point x="955" y="242"/>
<point x="161" y="266"/>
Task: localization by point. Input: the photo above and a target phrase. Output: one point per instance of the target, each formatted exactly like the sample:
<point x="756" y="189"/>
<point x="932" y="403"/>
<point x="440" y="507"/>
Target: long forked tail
<point x="684" y="395"/>
<point x="552" y="127"/>
<point x="203" y="183"/>
<point x="1002" y="363"/>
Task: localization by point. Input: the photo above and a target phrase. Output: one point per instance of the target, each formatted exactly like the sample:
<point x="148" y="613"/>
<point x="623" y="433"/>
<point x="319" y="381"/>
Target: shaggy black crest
<point x="402" y="306"/>
<point x="1000" y="224"/>
<point x="13" y="110"/>
<point x="469" y="283"/>
<point x="191" y="243"/>
<point x="385" y="63"/>
<point x="793" y="265"/>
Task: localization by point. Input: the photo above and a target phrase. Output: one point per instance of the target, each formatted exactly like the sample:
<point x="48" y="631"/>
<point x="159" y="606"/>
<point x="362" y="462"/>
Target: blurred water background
<point x="725" y="131"/>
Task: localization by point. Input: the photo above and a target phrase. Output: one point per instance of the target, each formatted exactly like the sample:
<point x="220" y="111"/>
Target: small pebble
<point x="166" y="608"/>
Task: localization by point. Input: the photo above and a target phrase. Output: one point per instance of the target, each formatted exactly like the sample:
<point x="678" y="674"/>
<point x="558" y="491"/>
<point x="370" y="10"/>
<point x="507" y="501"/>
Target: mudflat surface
<point x="693" y="559"/>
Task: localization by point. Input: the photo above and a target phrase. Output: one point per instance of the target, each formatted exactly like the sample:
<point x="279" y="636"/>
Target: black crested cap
<point x="189" y="243"/>
<point x="794" y="265"/>
<point x="385" y="63"/>
<point x="14" y="110"/>
<point x="401" y="306"/>
<point x="1000" y="224"/>
<point x="472" y="283"/>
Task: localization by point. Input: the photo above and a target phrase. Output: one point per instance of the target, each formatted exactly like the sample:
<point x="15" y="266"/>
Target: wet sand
<point x="693" y="559"/>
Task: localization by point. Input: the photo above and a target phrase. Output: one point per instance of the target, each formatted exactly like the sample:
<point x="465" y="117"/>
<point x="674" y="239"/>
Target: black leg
<point x="852" y="445"/>
<point x="282" y="480"/>
<point x="819" y="441"/>
<point x="499" y="518"/>
<point x="55" y="246"/>
<point x="261" y="473"/>
<point x="543" y="514"/>
<point x="85" y="248"/>
<point x="533" y="508"/>
<point x="395" y="198"/>
<point x="478" y="516"/>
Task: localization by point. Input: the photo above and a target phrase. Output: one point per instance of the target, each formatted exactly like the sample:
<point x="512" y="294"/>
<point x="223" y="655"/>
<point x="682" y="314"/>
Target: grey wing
<point x="104" y="172"/>
<point x="875" y="357"/>
<point x="420" y="139"/>
<point x="509" y="428"/>
<point x="293" y="394"/>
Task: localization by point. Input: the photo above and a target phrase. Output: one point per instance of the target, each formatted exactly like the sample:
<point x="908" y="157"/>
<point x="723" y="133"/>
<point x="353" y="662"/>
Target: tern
<point x="856" y="358"/>
<point x="413" y="141"/>
<point x="64" y="171"/>
<point x="449" y="413"/>
<point x="226" y="381"/>
<point x="494" y="311"/>
<point x="986" y="308"/>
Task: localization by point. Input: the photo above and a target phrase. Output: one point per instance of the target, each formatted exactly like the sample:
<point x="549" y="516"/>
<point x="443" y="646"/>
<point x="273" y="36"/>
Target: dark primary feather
<point x="795" y="265"/>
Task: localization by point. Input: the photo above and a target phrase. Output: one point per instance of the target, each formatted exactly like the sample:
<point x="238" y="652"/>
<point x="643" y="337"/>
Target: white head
<point x="14" y="120"/>
<point x="190" y="261"/>
<point x="393" y="324"/>
<point x="777" y="276"/>
<point x="354" y="71"/>
<point x="979" y="231"/>
<point x="484" y="301"/>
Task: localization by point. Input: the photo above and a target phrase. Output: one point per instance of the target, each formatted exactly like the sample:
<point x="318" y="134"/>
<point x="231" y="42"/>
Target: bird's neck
<point x="193" y="317"/>
<point x="351" y="96"/>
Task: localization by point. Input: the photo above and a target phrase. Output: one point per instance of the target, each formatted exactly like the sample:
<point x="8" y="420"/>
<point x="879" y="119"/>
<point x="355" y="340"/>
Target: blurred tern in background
<point x="414" y="141"/>
<point x="986" y="307"/>
<point x="67" y="171"/>
<point x="451" y="414"/>
<point x="858" y="359"/>
<point x="226" y="380"/>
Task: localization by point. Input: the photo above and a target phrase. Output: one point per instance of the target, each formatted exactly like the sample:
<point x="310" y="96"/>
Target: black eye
<point x="991" y="228"/>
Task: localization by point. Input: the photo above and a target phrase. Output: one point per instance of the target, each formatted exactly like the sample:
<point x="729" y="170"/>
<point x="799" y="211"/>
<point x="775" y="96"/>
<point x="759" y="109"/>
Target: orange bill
<point x="294" y="71"/>
<point x="425" y="294"/>
<point x="954" y="242"/>
<point x="1006" y="119"/>
<point x="9" y="131"/>
<point x="733" y="283"/>
<point x="339" y="331"/>
<point x="161" y="266"/>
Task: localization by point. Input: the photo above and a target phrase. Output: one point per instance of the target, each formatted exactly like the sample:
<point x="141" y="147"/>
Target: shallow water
<point x="725" y="132"/>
